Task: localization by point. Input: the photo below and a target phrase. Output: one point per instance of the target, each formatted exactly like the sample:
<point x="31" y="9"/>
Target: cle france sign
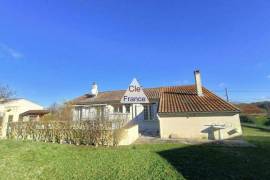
<point x="134" y="94"/>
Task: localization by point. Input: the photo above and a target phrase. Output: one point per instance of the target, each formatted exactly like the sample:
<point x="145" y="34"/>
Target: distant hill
<point x="265" y="105"/>
<point x="250" y="109"/>
<point x="255" y="108"/>
<point x="257" y="113"/>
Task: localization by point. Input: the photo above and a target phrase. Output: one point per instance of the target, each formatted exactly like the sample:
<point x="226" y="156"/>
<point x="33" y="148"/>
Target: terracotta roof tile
<point x="173" y="99"/>
<point x="184" y="99"/>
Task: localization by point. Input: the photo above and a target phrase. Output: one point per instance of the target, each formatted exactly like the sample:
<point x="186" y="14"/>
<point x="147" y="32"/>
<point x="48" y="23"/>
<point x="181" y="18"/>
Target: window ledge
<point x="150" y="120"/>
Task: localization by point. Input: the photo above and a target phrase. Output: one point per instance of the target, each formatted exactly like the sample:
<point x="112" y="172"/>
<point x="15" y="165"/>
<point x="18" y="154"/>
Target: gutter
<point x="89" y="105"/>
<point x="192" y="114"/>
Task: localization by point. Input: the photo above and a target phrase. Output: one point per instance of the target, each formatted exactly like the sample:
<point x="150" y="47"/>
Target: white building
<point x="173" y="112"/>
<point x="11" y="109"/>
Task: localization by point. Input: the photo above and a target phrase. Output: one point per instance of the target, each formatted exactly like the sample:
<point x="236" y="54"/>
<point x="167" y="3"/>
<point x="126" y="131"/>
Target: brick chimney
<point x="198" y="82"/>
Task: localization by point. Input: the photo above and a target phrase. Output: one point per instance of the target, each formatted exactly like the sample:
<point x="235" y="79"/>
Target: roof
<point x="172" y="99"/>
<point x="185" y="99"/>
<point x="35" y="112"/>
<point x="3" y="101"/>
<point x="114" y="96"/>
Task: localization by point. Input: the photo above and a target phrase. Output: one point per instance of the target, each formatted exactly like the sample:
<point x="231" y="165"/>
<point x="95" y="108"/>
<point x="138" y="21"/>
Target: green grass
<point x="26" y="160"/>
<point x="256" y="120"/>
<point x="31" y="160"/>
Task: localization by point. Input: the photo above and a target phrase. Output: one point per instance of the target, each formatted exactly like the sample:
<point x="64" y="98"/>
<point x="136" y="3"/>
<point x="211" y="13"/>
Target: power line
<point x="248" y="91"/>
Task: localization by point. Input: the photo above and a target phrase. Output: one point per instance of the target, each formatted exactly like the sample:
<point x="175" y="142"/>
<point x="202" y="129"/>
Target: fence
<point x="98" y="132"/>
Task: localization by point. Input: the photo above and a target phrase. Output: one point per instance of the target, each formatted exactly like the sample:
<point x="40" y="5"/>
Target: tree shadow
<point x="208" y="161"/>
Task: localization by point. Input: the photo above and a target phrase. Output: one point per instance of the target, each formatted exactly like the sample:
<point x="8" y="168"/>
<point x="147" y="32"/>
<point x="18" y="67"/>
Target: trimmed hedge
<point x="105" y="133"/>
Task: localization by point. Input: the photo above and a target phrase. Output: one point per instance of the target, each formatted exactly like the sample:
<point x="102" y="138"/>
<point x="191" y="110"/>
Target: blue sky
<point x="52" y="50"/>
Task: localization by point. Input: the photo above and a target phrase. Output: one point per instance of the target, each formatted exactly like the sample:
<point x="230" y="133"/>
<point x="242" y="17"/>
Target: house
<point x="33" y="115"/>
<point x="172" y="112"/>
<point x="13" y="110"/>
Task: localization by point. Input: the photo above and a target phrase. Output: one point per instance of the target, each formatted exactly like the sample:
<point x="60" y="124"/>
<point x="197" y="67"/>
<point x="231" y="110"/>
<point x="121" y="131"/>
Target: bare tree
<point x="6" y="92"/>
<point x="59" y="112"/>
<point x="65" y="112"/>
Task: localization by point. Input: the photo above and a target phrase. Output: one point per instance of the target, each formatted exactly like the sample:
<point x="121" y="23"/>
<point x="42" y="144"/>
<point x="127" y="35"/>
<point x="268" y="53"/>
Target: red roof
<point x="184" y="99"/>
<point x="35" y="112"/>
<point x="172" y="99"/>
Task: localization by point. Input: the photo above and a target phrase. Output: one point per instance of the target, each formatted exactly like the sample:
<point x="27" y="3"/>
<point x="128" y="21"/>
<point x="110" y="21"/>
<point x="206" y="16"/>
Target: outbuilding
<point x="12" y="110"/>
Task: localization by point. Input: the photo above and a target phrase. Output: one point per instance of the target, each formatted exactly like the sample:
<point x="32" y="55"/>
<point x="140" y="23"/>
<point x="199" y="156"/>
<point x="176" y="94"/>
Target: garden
<point x="39" y="160"/>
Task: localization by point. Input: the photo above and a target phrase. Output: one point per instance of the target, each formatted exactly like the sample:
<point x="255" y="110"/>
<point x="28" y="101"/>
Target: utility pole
<point x="227" y="95"/>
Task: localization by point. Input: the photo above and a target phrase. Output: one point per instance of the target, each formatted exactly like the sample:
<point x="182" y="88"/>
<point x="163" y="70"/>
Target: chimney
<point x="198" y="82"/>
<point x="94" y="90"/>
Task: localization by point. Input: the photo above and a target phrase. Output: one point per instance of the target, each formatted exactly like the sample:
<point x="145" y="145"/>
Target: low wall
<point x="199" y="127"/>
<point x="130" y="135"/>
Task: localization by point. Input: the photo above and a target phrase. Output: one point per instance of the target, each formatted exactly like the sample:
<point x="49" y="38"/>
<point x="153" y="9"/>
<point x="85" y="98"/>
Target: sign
<point x="134" y="94"/>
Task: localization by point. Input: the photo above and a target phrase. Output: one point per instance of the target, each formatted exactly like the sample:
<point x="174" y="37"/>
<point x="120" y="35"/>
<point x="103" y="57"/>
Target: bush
<point x="98" y="132"/>
<point x="247" y="119"/>
<point x="267" y="123"/>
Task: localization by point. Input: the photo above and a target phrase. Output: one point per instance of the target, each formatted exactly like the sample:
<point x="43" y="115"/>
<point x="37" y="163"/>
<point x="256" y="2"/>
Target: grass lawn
<point x="256" y="120"/>
<point x="31" y="160"/>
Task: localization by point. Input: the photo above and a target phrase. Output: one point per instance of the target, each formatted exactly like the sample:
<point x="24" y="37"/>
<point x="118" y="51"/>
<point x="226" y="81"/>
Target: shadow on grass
<point x="261" y="128"/>
<point x="221" y="162"/>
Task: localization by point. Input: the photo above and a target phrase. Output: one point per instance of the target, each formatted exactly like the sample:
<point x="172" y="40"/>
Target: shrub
<point x="98" y="132"/>
<point x="267" y="122"/>
<point x="247" y="119"/>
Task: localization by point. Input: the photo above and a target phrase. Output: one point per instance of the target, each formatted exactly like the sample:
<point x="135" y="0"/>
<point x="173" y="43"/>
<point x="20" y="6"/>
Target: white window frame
<point x="150" y="112"/>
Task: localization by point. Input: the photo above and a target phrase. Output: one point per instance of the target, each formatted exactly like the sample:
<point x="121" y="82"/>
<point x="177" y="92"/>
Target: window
<point x="118" y="108"/>
<point x="151" y="112"/>
<point x="148" y="112"/>
<point x="127" y="108"/>
<point x="85" y="113"/>
<point x="77" y="114"/>
<point x="100" y="111"/>
<point x="145" y="112"/>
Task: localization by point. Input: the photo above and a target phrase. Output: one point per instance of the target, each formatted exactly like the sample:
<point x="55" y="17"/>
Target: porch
<point x="143" y="115"/>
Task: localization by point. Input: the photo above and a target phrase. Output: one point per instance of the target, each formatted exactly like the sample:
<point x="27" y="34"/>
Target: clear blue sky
<point x="52" y="50"/>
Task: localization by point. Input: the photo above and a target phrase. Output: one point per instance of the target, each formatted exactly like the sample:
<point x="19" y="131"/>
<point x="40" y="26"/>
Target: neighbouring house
<point x="172" y="112"/>
<point x="13" y="110"/>
<point x="33" y="115"/>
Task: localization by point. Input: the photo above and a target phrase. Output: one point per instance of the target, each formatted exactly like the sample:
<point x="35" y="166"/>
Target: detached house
<point x="13" y="110"/>
<point x="172" y="112"/>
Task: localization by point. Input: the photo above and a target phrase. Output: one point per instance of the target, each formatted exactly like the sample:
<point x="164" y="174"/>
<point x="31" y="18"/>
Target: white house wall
<point x="2" y="108"/>
<point x="197" y="127"/>
<point x="15" y="108"/>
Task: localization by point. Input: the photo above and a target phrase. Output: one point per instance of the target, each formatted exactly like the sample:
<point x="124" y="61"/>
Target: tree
<point x="6" y="92"/>
<point x="59" y="112"/>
